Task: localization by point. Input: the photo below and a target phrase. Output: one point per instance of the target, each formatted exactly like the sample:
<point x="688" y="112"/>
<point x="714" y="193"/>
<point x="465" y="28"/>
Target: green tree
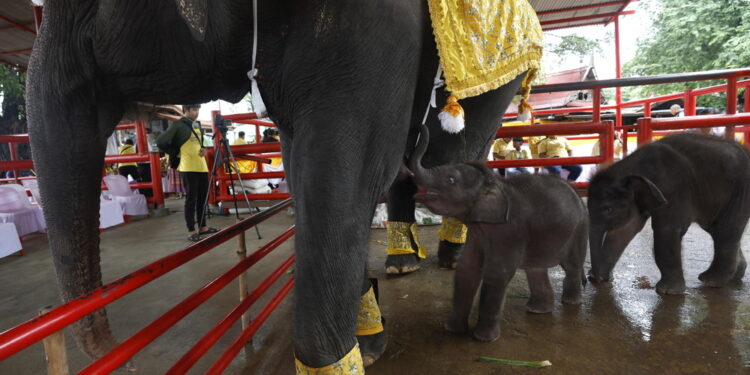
<point x="690" y="36"/>
<point x="12" y="107"/>
<point x="576" y="45"/>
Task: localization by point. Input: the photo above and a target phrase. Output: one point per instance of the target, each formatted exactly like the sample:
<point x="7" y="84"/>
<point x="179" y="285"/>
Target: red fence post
<point x="596" y="115"/>
<point x="607" y="142"/>
<point x="731" y="105"/>
<point x="158" y="189"/>
<point x="13" y="148"/>
<point x="689" y="102"/>
<point x="644" y="130"/>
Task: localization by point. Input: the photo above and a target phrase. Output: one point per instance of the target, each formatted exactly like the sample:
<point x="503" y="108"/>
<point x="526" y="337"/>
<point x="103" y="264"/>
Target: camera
<point x="222" y="125"/>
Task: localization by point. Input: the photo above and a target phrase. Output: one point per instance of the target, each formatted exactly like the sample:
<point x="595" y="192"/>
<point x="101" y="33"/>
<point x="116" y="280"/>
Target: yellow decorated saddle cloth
<point x="484" y="44"/>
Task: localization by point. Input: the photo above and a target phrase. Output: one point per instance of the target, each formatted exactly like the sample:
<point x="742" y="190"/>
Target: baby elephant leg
<point x="542" y="298"/>
<point x="575" y="278"/>
<point x="467" y="277"/>
<point x="491" y="301"/>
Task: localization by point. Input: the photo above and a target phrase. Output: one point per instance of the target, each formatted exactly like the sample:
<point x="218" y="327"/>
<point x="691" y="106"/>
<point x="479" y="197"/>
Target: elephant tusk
<point x="604" y="238"/>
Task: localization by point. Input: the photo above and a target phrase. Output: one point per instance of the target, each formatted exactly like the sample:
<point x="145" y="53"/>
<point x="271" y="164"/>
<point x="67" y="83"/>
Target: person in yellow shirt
<point x="558" y="147"/>
<point x="517" y="153"/>
<point x="193" y="169"/>
<point x="498" y="151"/>
<point x="128" y="169"/>
<point x="240" y="140"/>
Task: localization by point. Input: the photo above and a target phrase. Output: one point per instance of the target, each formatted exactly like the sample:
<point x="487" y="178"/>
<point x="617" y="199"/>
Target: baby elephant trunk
<point x="422" y="176"/>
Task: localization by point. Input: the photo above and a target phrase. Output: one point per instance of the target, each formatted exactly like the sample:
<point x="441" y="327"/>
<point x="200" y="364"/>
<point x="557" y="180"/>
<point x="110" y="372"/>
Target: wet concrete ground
<point x="622" y="328"/>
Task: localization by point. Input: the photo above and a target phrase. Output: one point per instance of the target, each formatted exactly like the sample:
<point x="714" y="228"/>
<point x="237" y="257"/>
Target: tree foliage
<point x="13" y="115"/>
<point x="576" y="45"/>
<point x="691" y="36"/>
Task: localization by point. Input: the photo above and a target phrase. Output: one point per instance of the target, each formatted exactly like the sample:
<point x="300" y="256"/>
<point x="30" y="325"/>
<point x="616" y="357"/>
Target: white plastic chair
<point x="110" y="213"/>
<point x="130" y="202"/>
<point x="16" y="208"/>
<point x="9" y="241"/>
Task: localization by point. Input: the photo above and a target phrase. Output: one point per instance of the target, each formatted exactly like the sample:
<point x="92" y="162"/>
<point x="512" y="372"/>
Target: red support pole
<point x="746" y="108"/>
<point x="607" y="142"/>
<point x="596" y="115"/>
<point x="618" y="72"/>
<point x="14" y="157"/>
<point x="689" y="102"/>
<point x="731" y="105"/>
<point x="644" y="131"/>
<point x="157" y="188"/>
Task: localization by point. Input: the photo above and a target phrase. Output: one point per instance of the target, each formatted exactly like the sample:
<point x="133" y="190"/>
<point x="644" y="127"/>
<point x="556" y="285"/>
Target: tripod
<point x="223" y="156"/>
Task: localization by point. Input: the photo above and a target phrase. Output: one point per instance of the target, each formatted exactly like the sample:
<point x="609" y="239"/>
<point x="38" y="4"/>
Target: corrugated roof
<point x="561" y="98"/>
<point x="17" y="21"/>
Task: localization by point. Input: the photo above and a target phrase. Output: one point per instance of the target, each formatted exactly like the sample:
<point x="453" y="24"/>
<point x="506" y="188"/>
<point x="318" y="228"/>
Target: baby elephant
<point x="528" y="221"/>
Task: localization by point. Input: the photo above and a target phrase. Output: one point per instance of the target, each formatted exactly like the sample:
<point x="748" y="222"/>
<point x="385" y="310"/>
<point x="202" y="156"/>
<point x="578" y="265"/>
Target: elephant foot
<point x="372" y="346"/>
<point x="401" y="264"/>
<point x="455" y="325"/>
<point x="740" y="273"/>
<point x="714" y="279"/>
<point x="487" y="334"/>
<point x="670" y="287"/>
<point x="571" y="297"/>
<point x="539" y="306"/>
<point x="448" y="253"/>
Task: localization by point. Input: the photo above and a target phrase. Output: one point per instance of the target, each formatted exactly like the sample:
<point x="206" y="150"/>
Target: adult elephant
<point x="345" y="81"/>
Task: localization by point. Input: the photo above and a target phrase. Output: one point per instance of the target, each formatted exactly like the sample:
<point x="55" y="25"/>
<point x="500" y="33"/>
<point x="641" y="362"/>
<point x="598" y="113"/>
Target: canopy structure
<point x="18" y="28"/>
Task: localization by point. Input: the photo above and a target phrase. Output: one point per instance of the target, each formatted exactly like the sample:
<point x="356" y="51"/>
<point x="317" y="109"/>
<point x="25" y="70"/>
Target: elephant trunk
<point x="68" y="144"/>
<point x="600" y="271"/>
<point x="422" y="176"/>
<point x="608" y="245"/>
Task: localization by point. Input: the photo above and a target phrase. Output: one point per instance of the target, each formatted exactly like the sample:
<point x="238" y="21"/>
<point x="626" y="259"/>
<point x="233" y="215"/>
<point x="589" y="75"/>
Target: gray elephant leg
<point x="491" y="303"/>
<point x="69" y="124"/>
<point x="541" y="296"/>
<point x="467" y="277"/>
<point x="575" y="277"/>
<point x="401" y="209"/>
<point x="668" y="255"/>
<point x="371" y="335"/>
<point x="728" y="262"/>
<point x="498" y="270"/>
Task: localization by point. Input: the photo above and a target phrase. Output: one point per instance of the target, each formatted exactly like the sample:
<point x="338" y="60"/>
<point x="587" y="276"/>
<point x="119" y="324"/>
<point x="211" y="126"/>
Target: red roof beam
<point x="622" y="3"/>
<point x="572" y="26"/>
<point x="17" y="24"/>
<point x="589" y="17"/>
<point x="18" y="52"/>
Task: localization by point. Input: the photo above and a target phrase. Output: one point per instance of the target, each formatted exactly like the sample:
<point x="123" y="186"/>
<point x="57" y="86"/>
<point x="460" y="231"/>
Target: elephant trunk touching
<point x="607" y="246"/>
<point x="422" y="176"/>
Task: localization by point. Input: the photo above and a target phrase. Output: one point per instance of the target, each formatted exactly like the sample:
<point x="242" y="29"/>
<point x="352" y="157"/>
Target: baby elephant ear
<point x="647" y="194"/>
<point x="492" y="207"/>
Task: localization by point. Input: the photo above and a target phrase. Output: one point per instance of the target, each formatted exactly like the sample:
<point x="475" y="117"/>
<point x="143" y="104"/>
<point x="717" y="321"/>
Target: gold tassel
<point x="452" y="116"/>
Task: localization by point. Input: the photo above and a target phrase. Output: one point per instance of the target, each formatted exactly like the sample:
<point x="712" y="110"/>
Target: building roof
<point x="562" y="98"/>
<point x="17" y="28"/>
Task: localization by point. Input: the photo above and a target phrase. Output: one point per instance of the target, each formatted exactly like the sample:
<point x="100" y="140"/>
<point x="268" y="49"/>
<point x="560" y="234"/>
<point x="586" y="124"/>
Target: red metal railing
<point x="260" y="152"/>
<point x="689" y="97"/>
<point x="143" y="156"/>
<point x="604" y="129"/>
<point x="18" y="338"/>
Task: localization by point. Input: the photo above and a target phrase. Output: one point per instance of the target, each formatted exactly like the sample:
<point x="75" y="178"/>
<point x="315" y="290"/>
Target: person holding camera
<point x="183" y="141"/>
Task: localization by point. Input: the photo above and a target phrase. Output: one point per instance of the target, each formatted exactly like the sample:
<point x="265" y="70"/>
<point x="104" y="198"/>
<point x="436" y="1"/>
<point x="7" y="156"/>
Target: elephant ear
<point x="492" y="206"/>
<point x="647" y="194"/>
<point x="194" y="14"/>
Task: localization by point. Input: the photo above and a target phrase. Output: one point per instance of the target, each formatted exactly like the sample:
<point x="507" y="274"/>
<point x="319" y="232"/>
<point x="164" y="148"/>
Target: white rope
<point x="258" y="106"/>
<point x="436" y="84"/>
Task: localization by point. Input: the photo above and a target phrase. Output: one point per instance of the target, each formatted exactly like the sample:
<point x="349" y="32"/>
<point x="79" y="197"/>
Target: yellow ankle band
<point x="452" y="230"/>
<point x="369" y="320"/>
<point x="351" y="364"/>
<point x="399" y="239"/>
